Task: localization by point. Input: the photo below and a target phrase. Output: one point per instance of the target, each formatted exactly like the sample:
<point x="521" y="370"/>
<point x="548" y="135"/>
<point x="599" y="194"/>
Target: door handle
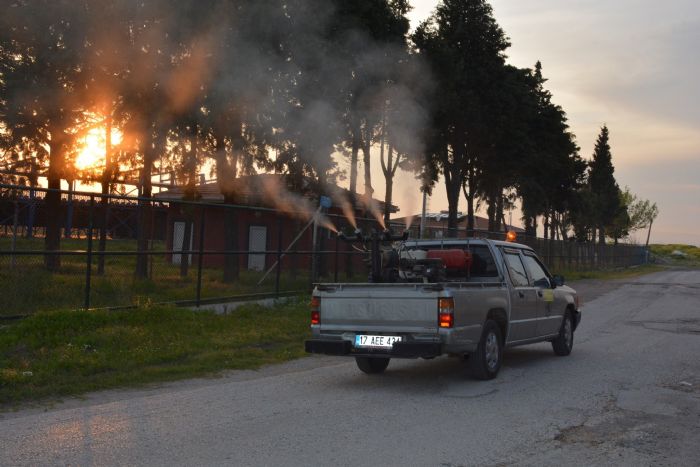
<point x="521" y="295"/>
<point x="539" y="293"/>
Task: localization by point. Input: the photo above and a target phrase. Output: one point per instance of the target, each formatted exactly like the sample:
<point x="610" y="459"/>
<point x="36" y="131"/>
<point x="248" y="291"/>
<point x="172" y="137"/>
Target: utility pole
<point x="646" y="246"/>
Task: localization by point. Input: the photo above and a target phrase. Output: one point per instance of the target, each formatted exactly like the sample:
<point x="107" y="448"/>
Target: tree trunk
<point x="563" y="229"/>
<point x="353" y="157"/>
<point x="144" y="218"/>
<point x="470" y="196"/>
<point x="366" y="146"/>
<point x="499" y="213"/>
<point x="104" y="201"/>
<point x="546" y="224"/>
<point x="226" y="172"/>
<point x="530" y="226"/>
<point x="553" y="226"/>
<point x="188" y="209"/>
<point x="52" y="241"/>
<point x="601" y="235"/>
<point x="389" y="170"/>
<point x="388" y="196"/>
<point x="491" y="214"/>
<point x="452" y="185"/>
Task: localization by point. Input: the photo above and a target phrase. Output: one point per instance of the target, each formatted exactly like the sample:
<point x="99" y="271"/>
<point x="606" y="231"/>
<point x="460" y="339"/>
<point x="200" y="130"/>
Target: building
<point x="267" y="216"/>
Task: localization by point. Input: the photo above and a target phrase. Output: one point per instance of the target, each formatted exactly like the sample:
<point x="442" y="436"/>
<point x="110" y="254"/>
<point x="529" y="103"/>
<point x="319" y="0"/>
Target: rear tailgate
<point x="381" y="308"/>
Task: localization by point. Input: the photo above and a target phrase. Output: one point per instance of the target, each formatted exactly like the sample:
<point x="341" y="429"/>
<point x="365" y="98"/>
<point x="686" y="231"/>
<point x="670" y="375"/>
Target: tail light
<point x="446" y="312"/>
<point x="578" y="302"/>
<point x="315" y="310"/>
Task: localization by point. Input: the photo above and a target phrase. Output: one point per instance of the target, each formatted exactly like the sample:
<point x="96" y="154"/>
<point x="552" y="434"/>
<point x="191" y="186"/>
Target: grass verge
<point x="67" y="353"/>
<point x="604" y="274"/>
<point x="27" y="287"/>
<point x="677" y="255"/>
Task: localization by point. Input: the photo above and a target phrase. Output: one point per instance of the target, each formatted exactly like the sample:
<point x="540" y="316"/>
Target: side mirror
<point x="558" y="280"/>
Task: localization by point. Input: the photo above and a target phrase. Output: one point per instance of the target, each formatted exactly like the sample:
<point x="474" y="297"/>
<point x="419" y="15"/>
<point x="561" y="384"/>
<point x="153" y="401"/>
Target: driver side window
<point x="539" y="276"/>
<point x="516" y="270"/>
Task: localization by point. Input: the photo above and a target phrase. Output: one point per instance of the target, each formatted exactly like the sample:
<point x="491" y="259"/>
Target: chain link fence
<point x="120" y="251"/>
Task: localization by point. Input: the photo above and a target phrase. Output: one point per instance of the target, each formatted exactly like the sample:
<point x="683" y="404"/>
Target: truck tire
<point x="372" y="366"/>
<point x="486" y="361"/>
<point x="564" y="342"/>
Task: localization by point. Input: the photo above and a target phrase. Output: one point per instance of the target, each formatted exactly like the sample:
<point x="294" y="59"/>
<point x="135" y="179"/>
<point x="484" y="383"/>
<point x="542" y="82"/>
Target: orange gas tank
<point x="454" y="260"/>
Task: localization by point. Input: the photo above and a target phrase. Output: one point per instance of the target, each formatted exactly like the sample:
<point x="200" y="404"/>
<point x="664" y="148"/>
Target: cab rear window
<point x="483" y="263"/>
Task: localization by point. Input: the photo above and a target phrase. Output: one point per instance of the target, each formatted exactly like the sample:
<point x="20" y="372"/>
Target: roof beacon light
<point x="510" y="236"/>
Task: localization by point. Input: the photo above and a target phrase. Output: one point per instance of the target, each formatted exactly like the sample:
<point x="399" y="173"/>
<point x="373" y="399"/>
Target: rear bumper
<point x="399" y="350"/>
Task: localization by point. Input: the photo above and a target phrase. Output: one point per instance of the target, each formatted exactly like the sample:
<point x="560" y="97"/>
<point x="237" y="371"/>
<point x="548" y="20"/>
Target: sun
<point x="91" y="152"/>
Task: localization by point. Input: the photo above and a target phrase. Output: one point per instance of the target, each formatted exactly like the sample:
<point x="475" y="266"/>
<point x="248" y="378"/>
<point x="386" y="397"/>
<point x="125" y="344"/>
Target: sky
<point x="630" y="64"/>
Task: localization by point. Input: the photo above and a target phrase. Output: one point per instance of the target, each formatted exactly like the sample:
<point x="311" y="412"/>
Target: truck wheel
<point x="564" y="342"/>
<point x="372" y="366"/>
<point x="486" y="361"/>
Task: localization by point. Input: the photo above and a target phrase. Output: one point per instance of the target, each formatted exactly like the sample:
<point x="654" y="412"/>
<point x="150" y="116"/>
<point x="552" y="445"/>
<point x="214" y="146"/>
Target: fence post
<point x="88" y="266"/>
<point x="67" y="232"/>
<point x="200" y="259"/>
<point x="278" y="272"/>
<point x="32" y="213"/>
<point x="15" y="221"/>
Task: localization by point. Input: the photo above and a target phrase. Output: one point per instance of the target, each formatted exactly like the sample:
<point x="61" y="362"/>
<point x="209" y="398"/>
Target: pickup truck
<point x="488" y="295"/>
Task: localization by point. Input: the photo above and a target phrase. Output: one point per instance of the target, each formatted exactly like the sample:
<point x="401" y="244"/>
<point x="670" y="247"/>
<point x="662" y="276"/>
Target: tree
<point x="604" y="189"/>
<point x="550" y="175"/>
<point x="582" y="214"/>
<point x="105" y="68"/>
<point x="41" y="43"/>
<point x="501" y="162"/>
<point x="621" y="224"/>
<point x="641" y="212"/>
<point x="369" y="38"/>
<point x="464" y="47"/>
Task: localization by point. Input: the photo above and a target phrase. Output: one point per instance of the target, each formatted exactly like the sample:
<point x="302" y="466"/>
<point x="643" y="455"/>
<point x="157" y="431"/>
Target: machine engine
<point x="390" y="261"/>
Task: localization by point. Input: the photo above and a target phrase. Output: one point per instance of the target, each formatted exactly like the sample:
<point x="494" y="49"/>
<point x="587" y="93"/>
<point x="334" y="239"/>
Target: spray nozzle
<point x="388" y="236"/>
<point x="356" y="237"/>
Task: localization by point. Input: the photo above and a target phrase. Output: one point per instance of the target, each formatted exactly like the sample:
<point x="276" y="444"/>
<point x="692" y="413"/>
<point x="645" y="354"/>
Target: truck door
<point x="523" y="299"/>
<point x="549" y="318"/>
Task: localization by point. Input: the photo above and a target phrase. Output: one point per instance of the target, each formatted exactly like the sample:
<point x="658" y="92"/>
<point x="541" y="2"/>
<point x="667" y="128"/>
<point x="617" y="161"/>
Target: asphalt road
<point x="628" y="395"/>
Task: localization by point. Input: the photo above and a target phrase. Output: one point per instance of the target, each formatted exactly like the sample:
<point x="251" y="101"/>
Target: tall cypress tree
<point x="604" y="188"/>
<point x="465" y="48"/>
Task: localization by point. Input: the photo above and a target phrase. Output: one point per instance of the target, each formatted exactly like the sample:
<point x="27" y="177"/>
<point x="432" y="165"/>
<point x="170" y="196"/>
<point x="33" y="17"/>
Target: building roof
<point x="438" y="220"/>
<point x="256" y="190"/>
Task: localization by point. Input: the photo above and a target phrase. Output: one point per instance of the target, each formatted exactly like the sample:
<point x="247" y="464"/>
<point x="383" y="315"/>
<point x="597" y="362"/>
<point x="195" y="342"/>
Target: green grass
<point x="63" y="353"/>
<point x="609" y="274"/>
<point x="664" y="252"/>
<point x="27" y="287"/>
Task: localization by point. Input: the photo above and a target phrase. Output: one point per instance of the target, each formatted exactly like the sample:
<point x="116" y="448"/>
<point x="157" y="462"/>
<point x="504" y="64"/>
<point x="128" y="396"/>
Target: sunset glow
<point x="91" y="152"/>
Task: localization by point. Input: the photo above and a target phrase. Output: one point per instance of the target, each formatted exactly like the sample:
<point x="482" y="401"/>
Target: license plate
<point x="382" y="342"/>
